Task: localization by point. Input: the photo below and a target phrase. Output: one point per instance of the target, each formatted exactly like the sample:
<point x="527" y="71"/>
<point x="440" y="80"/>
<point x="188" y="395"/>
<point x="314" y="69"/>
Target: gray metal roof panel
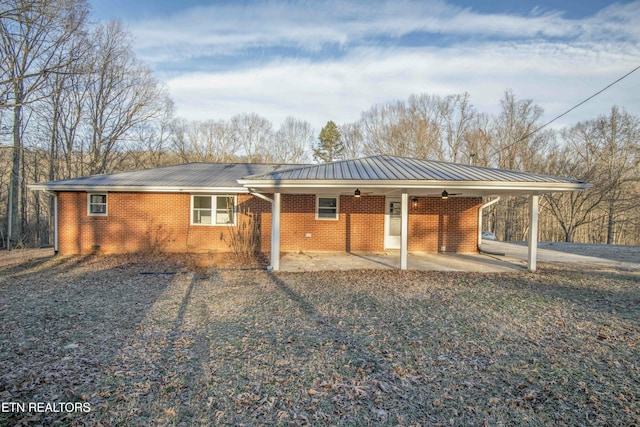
<point x="379" y="168"/>
<point x="191" y="175"/>
<point x="226" y="175"/>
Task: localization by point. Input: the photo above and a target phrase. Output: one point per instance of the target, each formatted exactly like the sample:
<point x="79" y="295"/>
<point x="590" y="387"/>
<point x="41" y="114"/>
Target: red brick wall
<point x="452" y="223"/>
<point x="161" y="221"/>
<point x="138" y="222"/>
<point x="360" y="225"/>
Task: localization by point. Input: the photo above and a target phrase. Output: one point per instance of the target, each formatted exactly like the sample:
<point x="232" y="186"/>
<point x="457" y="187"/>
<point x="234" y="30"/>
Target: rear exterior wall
<point x="142" y="222"/>
<point x="146" y="222"/>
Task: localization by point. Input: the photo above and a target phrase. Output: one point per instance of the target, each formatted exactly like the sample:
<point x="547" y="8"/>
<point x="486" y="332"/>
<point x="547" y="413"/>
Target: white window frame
<point x="214" y="200"/>
<point x="327" y="196"/>
<point x="89" y="204"/>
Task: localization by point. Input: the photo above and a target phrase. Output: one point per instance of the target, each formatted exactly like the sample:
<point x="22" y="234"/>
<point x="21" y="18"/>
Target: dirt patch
<point x="164" y="340"/>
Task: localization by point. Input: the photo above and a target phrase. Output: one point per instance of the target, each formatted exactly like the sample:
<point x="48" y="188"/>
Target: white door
<point x="392" y="223"/>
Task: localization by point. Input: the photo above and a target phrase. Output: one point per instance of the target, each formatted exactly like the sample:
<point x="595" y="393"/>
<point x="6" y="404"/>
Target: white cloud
<point x="555" y="77"/>
<point x="311" y="25"/>
<point x="553" y="60"/>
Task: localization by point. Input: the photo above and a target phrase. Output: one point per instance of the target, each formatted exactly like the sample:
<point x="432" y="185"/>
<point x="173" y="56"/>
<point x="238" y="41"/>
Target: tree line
<point x="75" y="101"/>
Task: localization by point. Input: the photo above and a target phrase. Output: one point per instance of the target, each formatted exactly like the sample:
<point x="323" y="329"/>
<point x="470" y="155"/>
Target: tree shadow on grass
<point x="24" y="264"/>
<point x="365" y="360"/>
<point x="63" y="320"/>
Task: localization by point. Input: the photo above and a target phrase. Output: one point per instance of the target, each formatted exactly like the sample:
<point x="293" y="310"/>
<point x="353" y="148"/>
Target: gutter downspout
<point x="480" y="209"/>
<point x="263" y="197"/>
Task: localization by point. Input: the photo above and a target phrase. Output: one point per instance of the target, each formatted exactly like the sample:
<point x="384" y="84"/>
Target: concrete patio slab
<point x="318" y="261"/>
<point x="513" y="259"/>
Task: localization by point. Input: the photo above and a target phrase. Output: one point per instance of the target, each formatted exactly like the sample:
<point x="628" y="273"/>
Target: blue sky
<point x="331" y="60"/>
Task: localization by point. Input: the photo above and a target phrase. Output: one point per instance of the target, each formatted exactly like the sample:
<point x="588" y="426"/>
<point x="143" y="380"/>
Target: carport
<point x="406" y="178"/>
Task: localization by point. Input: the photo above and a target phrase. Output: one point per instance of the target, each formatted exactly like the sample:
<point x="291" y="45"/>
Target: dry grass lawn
<point x="170" y="341"/>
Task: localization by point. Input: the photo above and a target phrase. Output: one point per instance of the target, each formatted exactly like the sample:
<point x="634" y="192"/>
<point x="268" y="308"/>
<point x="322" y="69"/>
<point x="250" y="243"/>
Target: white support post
<point x="55" y="223"/>
<point x="533" y="233"/>
<point x="275" y="232"/>
<point x="404" y="226"/>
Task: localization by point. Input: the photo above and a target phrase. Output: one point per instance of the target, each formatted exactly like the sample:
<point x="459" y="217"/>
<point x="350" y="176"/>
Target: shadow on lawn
<point x="199" y="349"/>
<point x="26" y="266"/>
<point x="365" y="360"/>
<point x="64" y="319"/>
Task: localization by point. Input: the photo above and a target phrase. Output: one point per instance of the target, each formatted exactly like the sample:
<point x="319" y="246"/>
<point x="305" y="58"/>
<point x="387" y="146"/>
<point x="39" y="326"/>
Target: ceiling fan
<point x="359" y="193"/>
<point x="445" y="195"/>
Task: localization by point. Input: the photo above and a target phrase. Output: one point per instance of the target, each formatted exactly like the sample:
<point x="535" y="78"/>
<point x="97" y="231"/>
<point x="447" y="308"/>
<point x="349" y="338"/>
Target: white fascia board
<point x="136" y="189"/>
<point x="518" y="186"/>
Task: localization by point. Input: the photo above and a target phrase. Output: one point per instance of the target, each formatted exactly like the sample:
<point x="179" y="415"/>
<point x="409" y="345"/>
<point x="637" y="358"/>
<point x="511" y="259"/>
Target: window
<point x="213" y="210"/>
<point x="97" y="205"/>
<point x="202" y="209"/>
<point x="327" y="207"/>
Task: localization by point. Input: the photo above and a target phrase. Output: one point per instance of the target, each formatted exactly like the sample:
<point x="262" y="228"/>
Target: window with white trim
<point x="327" y="207"/>
<point x="97" y="204"/>
<point x="213" y="210"/>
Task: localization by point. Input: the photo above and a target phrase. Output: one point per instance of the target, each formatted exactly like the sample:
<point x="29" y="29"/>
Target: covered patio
<point x="405" y="180"/>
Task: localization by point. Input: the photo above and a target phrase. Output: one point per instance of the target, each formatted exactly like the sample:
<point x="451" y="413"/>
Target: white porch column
<point x="404" y="230"/>
<point x="55" y="223"/>
<point x="533" y="233"/>
<point x="275" y="232"/>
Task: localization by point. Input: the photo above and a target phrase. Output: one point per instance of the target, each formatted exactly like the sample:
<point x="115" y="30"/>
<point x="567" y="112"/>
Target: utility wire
<point x="572" y="108"/>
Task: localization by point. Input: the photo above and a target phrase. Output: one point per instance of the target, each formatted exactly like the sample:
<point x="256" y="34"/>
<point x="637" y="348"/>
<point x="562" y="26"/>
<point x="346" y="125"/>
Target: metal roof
<point x="391" y="168"/>
<point x="187" y="177"/>
<point x="376" y="173"/>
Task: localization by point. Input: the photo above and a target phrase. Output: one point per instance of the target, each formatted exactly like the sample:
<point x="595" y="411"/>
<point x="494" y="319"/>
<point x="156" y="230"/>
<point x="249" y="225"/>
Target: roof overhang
<point x="415" y="187"/>
<point x="367" y="187"/>
<point x="134" y="189"/>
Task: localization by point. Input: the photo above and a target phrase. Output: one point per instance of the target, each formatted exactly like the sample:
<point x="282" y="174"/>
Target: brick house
<point x="371" y="204"/>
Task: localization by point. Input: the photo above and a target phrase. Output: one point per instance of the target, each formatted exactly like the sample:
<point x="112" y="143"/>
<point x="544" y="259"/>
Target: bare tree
<point x="208" y="141"/>
<point x="253" y="132"/>
<point x="180" y="139"/>
<point x="121" y="94"/>
<point x="576" y="209"/>
<point x="478" y="141"/>
<point x="33" y="34"/>
<point x="457" y="118"/>
<point x="292" y="142"/>
<point x="424" y="126"/>
<point x="152" y="138"/>
<point x="517" y="147"/>
<point x="352" y="139"/>
<point x="387" y="130"/>
<point x="427" y="126"/>
<point x="618" y="138"/>
<point x="606" y="153"/>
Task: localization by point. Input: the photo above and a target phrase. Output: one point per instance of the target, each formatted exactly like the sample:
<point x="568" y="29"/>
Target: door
<point x="392" y="223"/>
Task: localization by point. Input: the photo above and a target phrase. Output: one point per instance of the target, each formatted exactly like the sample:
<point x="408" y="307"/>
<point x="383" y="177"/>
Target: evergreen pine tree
<point x="330" y="146"/>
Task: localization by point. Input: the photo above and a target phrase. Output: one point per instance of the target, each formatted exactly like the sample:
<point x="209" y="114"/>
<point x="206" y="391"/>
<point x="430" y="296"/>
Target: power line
<point x="574" y="107"/>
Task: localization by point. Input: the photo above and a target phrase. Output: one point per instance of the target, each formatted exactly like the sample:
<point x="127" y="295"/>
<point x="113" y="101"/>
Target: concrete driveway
<point x="512" y="258"/>
<point x="518" y="251"/>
